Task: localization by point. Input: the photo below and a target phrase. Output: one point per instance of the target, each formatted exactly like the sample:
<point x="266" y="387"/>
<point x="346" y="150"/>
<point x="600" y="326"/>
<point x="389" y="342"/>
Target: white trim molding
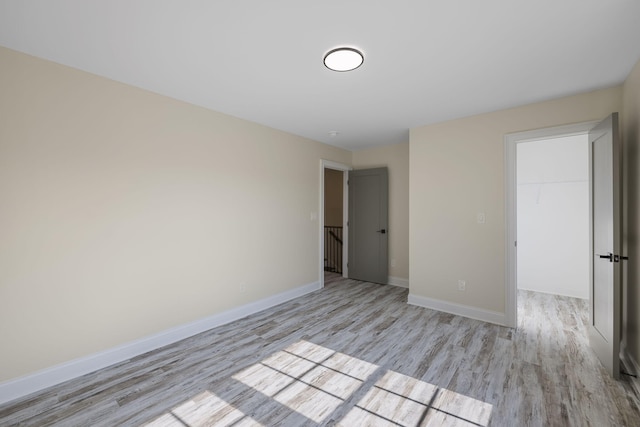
<point x="14" y="389"/>
<point x="458" y="309"/>
<point x="398" y="281"/>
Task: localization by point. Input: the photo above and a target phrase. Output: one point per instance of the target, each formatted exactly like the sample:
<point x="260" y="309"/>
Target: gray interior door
<point x="368" y="225"/>
<point x="604" y="291"/>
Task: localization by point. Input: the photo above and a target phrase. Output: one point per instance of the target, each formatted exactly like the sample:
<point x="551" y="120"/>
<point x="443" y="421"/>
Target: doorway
<point x="553" y="216"/>
<point x="332" y="176"/>
<point x="333" y="221"/>
<point x="512" y="146"/>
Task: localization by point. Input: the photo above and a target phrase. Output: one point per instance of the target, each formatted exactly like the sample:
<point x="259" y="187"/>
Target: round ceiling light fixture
<point x="343" y="59"/>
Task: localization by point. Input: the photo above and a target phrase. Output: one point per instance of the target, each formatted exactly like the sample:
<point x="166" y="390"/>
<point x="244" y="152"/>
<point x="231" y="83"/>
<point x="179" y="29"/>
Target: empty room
<point x="338" y="213"/>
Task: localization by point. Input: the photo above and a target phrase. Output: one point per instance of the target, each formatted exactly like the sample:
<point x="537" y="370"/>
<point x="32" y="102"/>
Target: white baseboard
<point x="40" y="380"/>
<point x="398" y="281"/>
<point x="458" y="309"/>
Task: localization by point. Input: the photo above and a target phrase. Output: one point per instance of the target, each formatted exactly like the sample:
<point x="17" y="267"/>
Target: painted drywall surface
<point x="333" y="186"/>
<point x="125" y="213"/>
<point x="553" y="216"/>
<point x="396" y="158"/>
<point x="456" y="171"/>
<point x="631" y="212"/>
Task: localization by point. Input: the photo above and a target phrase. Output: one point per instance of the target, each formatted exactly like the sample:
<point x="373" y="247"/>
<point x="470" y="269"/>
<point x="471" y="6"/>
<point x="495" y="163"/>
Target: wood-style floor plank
<point x="354" y="354"/>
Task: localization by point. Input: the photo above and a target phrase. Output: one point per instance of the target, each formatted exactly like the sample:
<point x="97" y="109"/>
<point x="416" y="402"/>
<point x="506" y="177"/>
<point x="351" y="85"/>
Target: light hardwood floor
<point x="355" y="354"/>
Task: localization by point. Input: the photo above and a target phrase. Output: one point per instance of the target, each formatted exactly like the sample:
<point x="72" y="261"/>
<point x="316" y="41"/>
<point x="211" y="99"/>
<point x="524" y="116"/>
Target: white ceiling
<point x="425" y="61"/>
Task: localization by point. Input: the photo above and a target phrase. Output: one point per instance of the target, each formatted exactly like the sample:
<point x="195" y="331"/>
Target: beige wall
<point x="333" y="186"/>
<point x="125" y="213"/>
<point x="396" y="159"/>
<point x="631" y="210"/>
<point x="456" y="171"/>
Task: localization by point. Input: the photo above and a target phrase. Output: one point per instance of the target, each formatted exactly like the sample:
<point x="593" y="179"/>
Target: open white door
<point x="605" y="280"/>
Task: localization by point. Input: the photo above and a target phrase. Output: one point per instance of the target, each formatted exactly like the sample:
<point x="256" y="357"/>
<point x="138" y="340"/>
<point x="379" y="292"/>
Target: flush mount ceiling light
<point x="343" y="59"/>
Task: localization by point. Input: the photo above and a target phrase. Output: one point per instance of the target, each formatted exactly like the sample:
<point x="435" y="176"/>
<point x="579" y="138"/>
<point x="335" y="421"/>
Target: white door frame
<point x="510" y="178"/>
<point x="328" y="164"/>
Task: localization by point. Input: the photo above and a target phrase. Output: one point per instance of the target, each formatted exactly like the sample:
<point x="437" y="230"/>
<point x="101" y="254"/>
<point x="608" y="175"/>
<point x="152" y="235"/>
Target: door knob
<point x="609" y="257"/>
<point x="383" y="231"/>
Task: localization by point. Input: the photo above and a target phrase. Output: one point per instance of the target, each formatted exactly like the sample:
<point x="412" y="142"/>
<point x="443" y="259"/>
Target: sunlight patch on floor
<point x="315" y="381"/>
<point x="204" y="409"/>
<point x="398" y="399"/>
<point x="307" y="378"/>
